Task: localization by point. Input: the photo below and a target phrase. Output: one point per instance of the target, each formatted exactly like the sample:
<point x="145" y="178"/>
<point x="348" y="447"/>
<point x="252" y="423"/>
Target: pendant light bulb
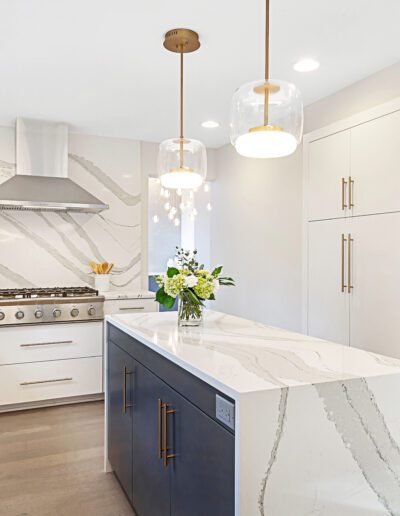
<point x="182" y="162"/>
<point x="266" y="115"/>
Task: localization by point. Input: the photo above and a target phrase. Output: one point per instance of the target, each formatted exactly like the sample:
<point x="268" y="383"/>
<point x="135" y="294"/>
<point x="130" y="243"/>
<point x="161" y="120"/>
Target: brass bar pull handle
<point x="349" y="241"/>
<point x="45" y="343"/>
<point x="122" y="308"/>
<point x="37" y="382"/>
<point x="167" y="455"/>
<point x="160" y="414"/>
<point x="344" y="183"/>
<point x="124" y="404"/>
<point x="351" y="183"/>
<point x="343" y="285"/>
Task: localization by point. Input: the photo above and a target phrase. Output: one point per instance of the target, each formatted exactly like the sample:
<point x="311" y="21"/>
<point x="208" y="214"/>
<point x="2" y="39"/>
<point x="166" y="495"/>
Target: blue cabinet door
<point x="203" y="469"/>
<point x="120" y="377"/>
<point x="151" y="480"/>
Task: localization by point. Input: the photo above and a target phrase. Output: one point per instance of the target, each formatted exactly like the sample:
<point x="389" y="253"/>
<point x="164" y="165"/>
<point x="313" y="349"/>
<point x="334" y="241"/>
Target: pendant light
<point x="266" y="115"/>
<point x="182" y="162"/>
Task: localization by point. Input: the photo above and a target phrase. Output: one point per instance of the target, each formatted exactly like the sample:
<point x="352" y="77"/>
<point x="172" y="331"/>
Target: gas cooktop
<point x="49" y="305"/>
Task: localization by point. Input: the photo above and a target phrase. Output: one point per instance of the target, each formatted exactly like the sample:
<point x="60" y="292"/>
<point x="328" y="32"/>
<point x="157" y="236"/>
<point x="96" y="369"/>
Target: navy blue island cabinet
<point x="169" y="451"/>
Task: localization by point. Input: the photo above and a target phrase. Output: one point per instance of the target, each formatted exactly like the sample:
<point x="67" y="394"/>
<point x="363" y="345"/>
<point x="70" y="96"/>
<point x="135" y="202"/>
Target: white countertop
<point x="239" y="356"/>
<point x="128" y="294"/>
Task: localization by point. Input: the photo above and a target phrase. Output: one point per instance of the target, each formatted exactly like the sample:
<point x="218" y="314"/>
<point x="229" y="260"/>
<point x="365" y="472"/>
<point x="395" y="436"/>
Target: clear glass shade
<point x="182" y="163"/>
<point x="266" y="119"/>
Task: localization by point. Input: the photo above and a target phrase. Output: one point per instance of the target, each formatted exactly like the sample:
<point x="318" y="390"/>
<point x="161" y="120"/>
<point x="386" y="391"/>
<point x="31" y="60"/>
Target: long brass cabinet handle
<point x="160" y="413"/>
<point x="122" y="308"/>
<point x="344" y="183"/>
<point x="343" y="285"/>
<point x="167" y="412"/>
<point x="37" y="382"/>
<point x="351" y="184"/>
<point x="31" y="345"/>
<point x="124" y="404"/>
<point x="349" y="241"/>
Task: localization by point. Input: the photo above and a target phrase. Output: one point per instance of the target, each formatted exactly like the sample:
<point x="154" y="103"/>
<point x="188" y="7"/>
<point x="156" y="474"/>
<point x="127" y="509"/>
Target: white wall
<point x="256" y="234"/>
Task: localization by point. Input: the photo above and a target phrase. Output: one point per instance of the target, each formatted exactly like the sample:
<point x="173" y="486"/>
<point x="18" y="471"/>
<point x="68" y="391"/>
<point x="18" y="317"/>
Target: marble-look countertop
<point x="239" y="356"/>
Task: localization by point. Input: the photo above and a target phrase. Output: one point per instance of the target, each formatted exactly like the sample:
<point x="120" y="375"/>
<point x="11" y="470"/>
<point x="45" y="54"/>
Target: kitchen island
<point x="255" y="419"/>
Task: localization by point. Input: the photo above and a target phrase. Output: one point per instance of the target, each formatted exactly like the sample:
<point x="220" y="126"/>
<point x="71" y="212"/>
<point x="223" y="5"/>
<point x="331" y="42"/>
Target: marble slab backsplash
<point x="39" y="249"/>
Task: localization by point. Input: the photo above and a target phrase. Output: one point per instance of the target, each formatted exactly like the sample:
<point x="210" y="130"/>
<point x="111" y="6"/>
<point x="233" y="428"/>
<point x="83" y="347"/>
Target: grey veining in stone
<point x="15" y="278"/>
<point x="274" y="452"/>
<point x="102" y="177"/>
<point x="363" y="431"/>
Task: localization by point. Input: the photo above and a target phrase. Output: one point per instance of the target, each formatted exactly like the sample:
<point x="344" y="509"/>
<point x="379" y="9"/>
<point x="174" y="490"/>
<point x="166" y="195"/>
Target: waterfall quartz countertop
<point x="317" y="423"/>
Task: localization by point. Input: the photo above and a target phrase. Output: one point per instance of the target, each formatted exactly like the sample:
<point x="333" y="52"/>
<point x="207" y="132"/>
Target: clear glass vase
<point x="189" y="314"/>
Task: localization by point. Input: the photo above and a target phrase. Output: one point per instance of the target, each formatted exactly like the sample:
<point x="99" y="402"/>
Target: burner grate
<point x="27" y="293"/>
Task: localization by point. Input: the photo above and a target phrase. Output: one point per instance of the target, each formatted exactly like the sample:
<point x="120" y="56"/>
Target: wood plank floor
<point x="51" y="464"/>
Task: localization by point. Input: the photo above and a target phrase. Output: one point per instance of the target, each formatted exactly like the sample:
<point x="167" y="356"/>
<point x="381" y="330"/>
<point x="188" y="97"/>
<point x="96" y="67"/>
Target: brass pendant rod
<point x="266" y="99"/>
<point x="181" y="136"/>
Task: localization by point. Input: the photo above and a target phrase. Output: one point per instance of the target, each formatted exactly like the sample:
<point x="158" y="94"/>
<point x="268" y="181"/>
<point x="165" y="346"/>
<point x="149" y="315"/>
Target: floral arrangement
<point x="186" y="278"/>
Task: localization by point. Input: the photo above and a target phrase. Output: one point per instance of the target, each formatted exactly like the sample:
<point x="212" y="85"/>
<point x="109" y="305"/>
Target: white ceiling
<point x="100" y="65"/>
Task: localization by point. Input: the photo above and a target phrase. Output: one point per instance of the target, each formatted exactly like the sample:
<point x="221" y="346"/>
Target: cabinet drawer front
<point x="126" y="306"/>
<point x="50" y="342"/>
<point x="23" y="383"/>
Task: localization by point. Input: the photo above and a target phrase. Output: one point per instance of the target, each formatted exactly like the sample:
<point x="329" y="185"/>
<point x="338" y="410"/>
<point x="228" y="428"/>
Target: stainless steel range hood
<point x="41" y="181"/>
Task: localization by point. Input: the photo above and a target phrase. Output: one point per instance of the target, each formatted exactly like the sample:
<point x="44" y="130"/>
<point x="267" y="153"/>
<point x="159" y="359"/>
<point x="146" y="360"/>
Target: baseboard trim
<point x="51" y="403"/>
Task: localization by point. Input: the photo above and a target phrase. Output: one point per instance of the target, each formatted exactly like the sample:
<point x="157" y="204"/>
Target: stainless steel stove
<point x="50" y="305"/>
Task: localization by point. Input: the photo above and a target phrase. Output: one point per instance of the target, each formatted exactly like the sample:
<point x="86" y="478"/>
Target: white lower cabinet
<point x="37" y="381"/>
<point x="367" y="315"/>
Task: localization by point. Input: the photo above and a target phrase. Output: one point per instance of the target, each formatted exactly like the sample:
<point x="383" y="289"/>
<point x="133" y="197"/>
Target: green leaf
<point x="160" y="295"/>
<point x="172" y="271"/>
<point x="169" y="302"/>
<point x="216" y="271"/>
<point x="212" y="297"/>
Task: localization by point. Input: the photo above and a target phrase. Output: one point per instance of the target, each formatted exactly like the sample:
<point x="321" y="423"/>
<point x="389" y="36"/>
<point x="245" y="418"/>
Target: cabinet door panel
<point x="328" y="306"/>
<point x="375" y="299"/>
<point x="329" y="161"/>
<point x="203" y="471"/>
<point x="151" y="490"/>
<point x="375" y="165"/>
<point x="120" y="419"/>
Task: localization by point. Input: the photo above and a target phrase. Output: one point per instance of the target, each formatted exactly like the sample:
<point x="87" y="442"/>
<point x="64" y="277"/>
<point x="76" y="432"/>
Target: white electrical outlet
<point x="225" y="411"/>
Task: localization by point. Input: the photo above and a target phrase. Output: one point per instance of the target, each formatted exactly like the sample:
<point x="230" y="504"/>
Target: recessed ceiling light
<point x="210" y="124"/>
<point x="306" y="65"/>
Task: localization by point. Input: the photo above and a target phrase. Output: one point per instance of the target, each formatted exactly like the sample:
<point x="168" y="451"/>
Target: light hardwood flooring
<point x="51" y="464"/>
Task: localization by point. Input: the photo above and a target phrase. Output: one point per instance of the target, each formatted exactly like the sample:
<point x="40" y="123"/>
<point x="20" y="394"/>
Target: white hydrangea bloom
<point x="191" y="281"/>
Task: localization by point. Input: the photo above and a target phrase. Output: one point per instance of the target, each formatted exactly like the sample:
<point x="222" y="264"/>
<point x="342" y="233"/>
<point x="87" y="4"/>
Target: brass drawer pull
<point x="344" y="183"/>
<point x="349" y="240"/>
<point x="124" y="404"/>
<point x="47" y="381"/>
<point x="167" y="455"/>
<point x="160" y="411"/>
<point x="122" y="308"/>
<point x="31" y="345"/>
<point x="343" y="286"/>
<point x="351" y="184"/>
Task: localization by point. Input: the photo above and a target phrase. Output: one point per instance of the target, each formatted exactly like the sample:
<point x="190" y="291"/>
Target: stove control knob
<point x="38" y="314"/>
<point x="20" y="314"/>
<point x="56" y="312"/>
<point x="74" y="312"/>
<point x="91" y="310"/>
<point x="2" y="316"/>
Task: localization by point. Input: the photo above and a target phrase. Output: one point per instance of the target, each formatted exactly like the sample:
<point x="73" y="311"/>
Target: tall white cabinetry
<point x="352" y="178"/>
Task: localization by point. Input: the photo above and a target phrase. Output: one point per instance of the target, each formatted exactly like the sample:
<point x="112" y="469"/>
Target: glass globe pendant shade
<point x="182" y="163"/>
<point x="266" y="119"/>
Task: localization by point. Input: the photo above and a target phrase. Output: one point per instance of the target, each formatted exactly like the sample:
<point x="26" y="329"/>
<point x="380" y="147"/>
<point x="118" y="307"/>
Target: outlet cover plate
<point x="225" y="411"/>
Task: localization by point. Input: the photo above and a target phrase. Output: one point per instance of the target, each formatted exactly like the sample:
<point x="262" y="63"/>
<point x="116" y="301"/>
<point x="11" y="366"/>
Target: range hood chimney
<point x="41" y="181"/>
